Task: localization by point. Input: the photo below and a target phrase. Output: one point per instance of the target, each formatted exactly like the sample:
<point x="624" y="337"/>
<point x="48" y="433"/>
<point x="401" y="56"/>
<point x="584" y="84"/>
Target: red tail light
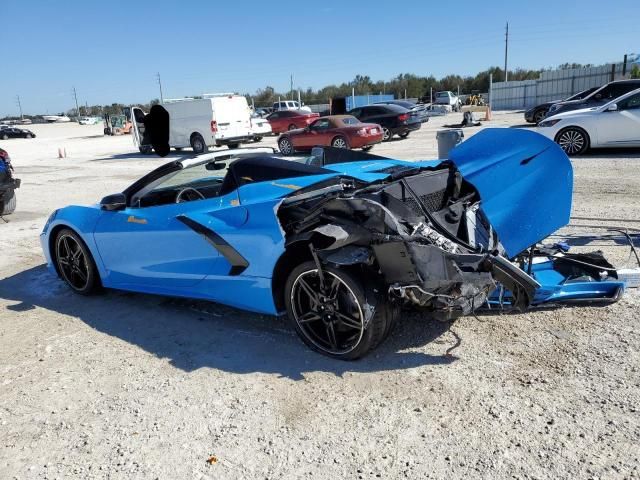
<point x="214" y="126"/>
<point x="404" y="117"/>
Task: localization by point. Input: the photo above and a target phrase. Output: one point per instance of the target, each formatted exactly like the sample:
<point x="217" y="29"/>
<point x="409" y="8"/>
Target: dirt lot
<point x="134" y="386"/>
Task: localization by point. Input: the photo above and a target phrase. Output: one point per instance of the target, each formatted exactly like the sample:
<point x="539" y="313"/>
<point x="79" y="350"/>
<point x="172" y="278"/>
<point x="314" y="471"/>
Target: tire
<point x="291" y="127"/>
<point x="145" y="149"/>
<point x="539" y="116"/>
<point x="285" y="146"/>
<point x="340" y="142"/>
<point x="321" y="321"/>
<point x="367" y="148"/>
<point x="573" y="140"/>
<point x="28" y="135"/>
<point x="233" y="146"/>
<point x="8" y="202"/>
<point x="197" y="144"/>
<point x="386" y="134"/>
<point x="5" y="137"/>
<point x="404" y="135"/>
<point x="74" y="263"/>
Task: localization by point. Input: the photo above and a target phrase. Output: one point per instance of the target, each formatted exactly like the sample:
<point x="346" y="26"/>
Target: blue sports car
<point x="339" y="240"/>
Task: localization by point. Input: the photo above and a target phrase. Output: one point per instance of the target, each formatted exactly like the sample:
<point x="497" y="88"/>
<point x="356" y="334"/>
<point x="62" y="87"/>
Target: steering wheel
<point x="195" y="195"/>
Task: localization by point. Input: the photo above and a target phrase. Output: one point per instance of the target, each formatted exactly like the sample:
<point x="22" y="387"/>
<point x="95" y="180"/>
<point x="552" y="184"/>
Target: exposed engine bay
<point x="424" y="232"/>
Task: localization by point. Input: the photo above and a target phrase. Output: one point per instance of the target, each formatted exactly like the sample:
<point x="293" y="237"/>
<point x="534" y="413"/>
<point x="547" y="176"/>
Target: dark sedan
<point x="418" y="111"/>
<point x="393" y="119"/>
<point x="537" y="113"/>
<point x="602" y="95"/>
<point x="12" y="132"/>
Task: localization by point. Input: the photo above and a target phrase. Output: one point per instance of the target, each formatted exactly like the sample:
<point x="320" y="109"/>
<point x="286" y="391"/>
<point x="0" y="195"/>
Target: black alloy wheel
<point x="74" y="262"/>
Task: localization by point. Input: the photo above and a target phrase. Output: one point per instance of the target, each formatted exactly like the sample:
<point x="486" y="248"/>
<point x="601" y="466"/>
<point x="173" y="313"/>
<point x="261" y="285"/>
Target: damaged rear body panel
<point x="445" y="236"/>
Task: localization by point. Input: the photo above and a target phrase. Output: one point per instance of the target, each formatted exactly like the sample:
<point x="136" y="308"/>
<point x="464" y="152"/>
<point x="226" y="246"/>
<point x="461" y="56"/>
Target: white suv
<point x="289" y="105"/>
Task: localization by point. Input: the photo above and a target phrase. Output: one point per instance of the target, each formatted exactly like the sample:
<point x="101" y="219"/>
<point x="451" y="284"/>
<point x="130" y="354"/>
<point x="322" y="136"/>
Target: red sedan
<point x="341" y="131"/>
<point x="284" y="120"/>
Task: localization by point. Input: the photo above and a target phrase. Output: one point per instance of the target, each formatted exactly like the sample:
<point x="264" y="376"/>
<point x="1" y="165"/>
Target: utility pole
<point x="506" y="51"/>
<point x="19" y="106"/>
<point x="75" y="95"/>
<point x="160" y="85"/>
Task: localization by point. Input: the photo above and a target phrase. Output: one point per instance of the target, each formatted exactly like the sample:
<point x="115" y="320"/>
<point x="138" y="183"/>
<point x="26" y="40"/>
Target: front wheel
<point x="339" y="319"/>
<point x="573" y="140"/>
<point x="339" y="142"/>
<point x="285" y="146"/>
<point x="539" y="116"/>
<point x="75" y="263"/>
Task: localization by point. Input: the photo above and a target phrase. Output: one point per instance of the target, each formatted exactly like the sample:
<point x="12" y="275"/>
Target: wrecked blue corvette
<point x="340" y="240"/>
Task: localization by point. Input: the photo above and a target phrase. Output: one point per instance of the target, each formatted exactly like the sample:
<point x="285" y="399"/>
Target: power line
<point x="160" y="85"/>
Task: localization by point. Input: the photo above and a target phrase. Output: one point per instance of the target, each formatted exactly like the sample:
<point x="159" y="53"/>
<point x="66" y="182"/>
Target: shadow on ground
<point x="196" y="334"/>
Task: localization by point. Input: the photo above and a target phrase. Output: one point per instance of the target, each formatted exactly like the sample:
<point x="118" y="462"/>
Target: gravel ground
<point x="134" y="386"/>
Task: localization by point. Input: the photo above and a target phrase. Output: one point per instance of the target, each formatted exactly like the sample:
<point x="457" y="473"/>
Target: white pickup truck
<point x="447" y="97"/>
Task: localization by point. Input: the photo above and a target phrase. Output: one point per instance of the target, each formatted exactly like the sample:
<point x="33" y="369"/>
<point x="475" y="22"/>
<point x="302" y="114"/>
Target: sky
<point x="111" y="51"/>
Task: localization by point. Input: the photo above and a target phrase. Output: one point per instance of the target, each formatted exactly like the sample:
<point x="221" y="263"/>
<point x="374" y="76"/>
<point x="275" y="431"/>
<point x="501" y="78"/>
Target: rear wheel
<point x="285" y="146"/>
<point x="573" y="140"/>
<point x="75" y="263"/>
<point x="8" y="202"/>
<point x="197" y="144"/>
<point x="145" y="149"/>
<point x="386" y="134"/>
<point x="335" y="320"/>
<point x="339" y="142"/>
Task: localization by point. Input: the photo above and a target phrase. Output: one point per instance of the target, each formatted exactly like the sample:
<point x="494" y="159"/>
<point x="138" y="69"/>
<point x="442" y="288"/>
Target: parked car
<point x="417" y="110"/>
<point x="8" y="184"/>
<point x="289" y="105"/>
<point x="339" y="247"/>
<point x="89" y="120"/>
<point x="537" y="113"/>
<point x="263" y="111"/>
<point x="339" y="131"/>
<point x="393" y="119"/>
<point x="13" y="132"/>
<point x="199" y="123"/>
<point x="284" y="120"/>
<point x="614" y="124"/>
<point x="447" y="97"/>
<point x="603" y="95"/>
<point x="259" y="127"/>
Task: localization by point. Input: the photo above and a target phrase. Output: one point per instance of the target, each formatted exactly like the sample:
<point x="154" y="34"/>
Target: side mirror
<point x="114" y="202"/>
<point x="612" y="108"/>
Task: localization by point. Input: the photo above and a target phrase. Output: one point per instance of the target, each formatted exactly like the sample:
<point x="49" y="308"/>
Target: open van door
<point x="140" y="140"/>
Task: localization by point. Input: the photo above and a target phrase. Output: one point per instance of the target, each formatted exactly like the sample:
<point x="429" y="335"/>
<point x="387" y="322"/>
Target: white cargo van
<point x="200" y="123"/>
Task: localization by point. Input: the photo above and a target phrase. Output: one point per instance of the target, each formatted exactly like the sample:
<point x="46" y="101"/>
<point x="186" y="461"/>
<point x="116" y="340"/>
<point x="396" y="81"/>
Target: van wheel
<point x="232" y="146"/>
<point x="197" y="144"/>
<point x="145" y="149"/>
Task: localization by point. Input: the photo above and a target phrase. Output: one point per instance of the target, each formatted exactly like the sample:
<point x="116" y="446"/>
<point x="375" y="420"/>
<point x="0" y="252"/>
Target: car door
<point x="160" y="247"/>
<point x="315" y="134"/>
<point x="622" y="126"/>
